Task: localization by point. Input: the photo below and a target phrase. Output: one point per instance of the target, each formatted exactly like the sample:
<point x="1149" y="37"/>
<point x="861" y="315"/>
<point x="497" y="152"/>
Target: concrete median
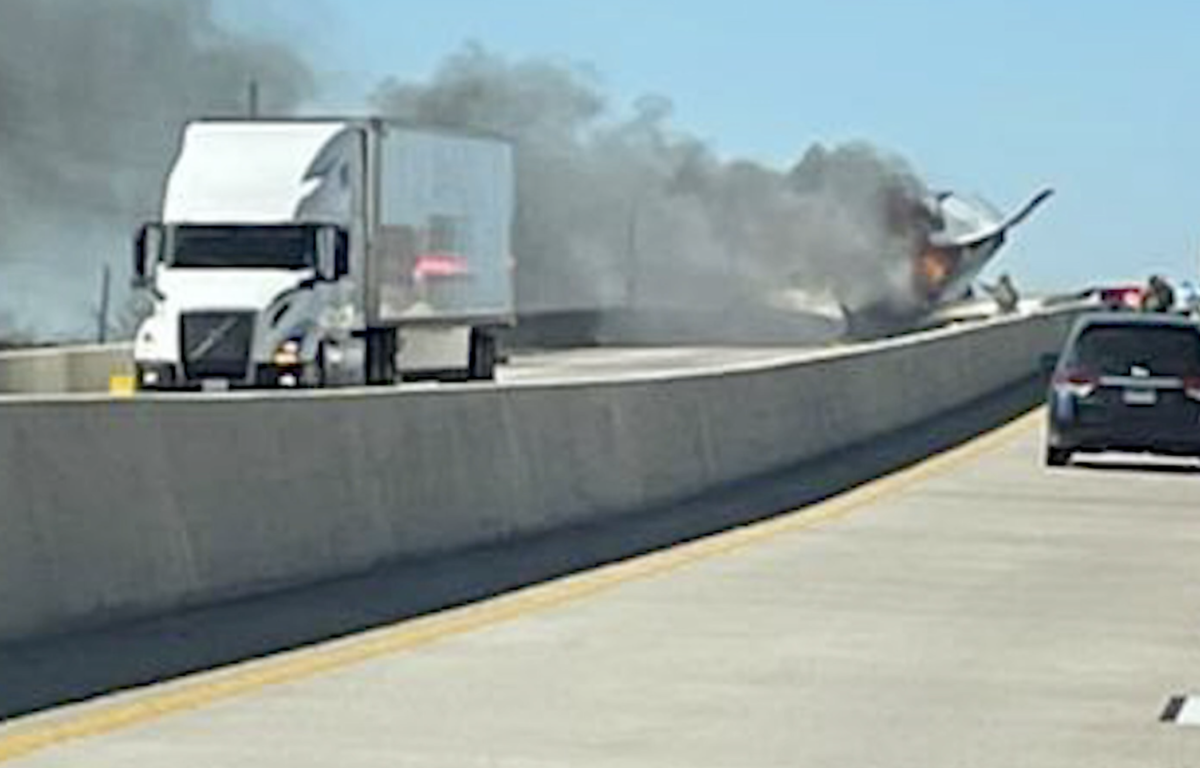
<point x="58" y="370"/>
<point x="114" y="509"/>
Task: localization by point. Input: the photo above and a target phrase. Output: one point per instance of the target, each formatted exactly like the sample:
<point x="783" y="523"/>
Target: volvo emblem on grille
<point x="212" y="339"/>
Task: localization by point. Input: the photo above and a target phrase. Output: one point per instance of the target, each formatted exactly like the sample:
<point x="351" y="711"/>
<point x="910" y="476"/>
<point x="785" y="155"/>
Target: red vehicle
<point x="1121" y="297"/>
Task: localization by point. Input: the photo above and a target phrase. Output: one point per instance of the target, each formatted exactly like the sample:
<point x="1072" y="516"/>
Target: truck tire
<point x="315" y="374"/>
<point x="381" y="357"/>
<point x="482" y="365"/>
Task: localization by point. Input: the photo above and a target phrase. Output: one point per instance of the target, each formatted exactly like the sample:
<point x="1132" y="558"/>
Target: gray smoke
<point x="621" y="212"/>
<point x="12" y="335"/>
<point x="93" y="94"/>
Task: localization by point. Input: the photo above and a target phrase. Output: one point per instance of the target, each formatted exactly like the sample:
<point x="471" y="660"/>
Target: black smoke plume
<point x="630" y="212"/>
<point x="93" y="94"/>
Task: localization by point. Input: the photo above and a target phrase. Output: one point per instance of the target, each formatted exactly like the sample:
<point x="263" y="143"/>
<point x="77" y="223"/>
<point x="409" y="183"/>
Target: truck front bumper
<point x="169" y="377"/>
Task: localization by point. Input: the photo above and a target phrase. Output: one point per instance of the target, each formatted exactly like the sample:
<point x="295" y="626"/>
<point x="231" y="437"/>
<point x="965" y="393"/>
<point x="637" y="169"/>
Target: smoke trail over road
<point x="629" y="211"/>
<point x="93" y="94"/>
<point x="616" y="209"/>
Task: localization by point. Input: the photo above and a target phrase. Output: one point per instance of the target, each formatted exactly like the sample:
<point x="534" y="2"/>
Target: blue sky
<point x="1098" y="99"/>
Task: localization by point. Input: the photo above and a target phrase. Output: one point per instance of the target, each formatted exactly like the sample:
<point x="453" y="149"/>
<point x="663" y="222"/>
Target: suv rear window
<point x="1116" y="349"/>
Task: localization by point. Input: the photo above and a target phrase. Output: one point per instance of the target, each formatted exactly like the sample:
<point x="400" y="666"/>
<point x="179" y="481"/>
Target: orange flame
<point x="934" y="267"/>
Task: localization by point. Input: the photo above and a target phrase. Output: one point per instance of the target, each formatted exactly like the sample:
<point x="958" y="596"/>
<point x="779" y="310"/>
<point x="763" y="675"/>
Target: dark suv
<point x="1127" y="382"/>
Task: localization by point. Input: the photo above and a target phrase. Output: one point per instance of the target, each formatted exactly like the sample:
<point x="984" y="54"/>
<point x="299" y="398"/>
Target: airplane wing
<point x="998" y="230"/>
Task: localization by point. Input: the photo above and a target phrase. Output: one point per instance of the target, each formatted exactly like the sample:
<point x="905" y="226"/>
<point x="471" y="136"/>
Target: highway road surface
<point x="616" y="363"/>
<point x="975" y="610"/>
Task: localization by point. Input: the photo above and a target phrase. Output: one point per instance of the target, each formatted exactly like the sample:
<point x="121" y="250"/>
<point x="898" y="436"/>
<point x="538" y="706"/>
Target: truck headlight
<point x="287" y="354"/>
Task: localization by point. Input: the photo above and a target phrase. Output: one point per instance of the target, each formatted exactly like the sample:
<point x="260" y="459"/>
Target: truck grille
<point x="216" y="345"/>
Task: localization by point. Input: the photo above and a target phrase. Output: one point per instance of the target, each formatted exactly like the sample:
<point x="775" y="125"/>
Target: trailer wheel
<point x="381" y="356"/>
<point x="315" y="374"/>
<point x="482" y="365"/>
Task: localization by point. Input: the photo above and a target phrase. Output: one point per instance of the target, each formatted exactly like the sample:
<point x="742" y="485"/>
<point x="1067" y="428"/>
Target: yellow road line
<point x="208" y="688"/>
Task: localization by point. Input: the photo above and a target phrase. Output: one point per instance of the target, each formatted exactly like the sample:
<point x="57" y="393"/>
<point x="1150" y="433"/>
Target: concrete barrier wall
<point x="57" y="370"/>
<point x="118" y="508"/>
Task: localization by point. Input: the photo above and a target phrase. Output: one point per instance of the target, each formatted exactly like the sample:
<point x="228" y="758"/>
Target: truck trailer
<point x="334" y="252"/>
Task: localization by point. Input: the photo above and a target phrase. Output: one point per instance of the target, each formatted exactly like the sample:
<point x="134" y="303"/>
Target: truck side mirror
<point x="342" y="259"/>
<point x="333" y="253"/>
<point x="146" y="247"/>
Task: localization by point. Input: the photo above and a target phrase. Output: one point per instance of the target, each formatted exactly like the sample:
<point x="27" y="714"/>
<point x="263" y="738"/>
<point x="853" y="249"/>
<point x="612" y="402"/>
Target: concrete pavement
<point x="977" y="610"/>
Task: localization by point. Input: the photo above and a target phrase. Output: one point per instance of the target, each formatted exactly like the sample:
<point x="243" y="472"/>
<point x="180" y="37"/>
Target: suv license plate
<point x="1140" y="397"/>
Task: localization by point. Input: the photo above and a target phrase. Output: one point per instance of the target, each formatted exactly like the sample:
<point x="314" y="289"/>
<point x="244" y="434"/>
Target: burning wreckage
<point x="966" y="234"/>
<point x="917" y="265"/>
<point x="950" y="239"/>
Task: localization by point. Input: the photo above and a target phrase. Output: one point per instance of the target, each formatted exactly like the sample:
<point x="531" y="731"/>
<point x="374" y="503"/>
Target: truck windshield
<point x="243" y="247"/>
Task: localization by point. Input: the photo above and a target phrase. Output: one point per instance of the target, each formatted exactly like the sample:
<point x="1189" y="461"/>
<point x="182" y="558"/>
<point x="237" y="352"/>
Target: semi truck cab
<point x="246" y="305"/>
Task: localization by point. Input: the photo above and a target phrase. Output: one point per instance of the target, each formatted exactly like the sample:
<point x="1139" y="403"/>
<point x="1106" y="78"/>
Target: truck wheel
<point x="381" y="357"/>
<point x="315" y="374"/>
<point x="482" y="365"/>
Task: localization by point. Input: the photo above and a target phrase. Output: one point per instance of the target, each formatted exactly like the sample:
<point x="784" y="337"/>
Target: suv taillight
<point x="1191" y="387"/>
<point x="1077" y="381"/>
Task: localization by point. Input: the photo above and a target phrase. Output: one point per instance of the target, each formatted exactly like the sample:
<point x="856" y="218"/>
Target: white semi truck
<point x="312" y="253"/>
